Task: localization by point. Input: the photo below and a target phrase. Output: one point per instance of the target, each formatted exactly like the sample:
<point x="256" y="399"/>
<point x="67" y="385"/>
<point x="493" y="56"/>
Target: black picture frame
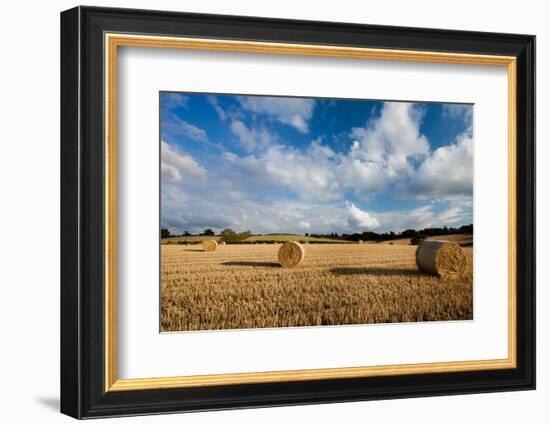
<point x="83" y="392"/>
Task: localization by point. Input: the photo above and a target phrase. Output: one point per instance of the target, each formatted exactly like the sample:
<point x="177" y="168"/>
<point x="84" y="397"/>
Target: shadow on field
<point x="250" y="264"/>
<point x="194" y="250"/>
<point x="378" y="271"/>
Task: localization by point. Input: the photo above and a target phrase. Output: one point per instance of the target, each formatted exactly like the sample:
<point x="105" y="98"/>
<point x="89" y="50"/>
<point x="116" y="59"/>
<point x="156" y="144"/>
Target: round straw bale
<point x="442" y="258"/>
<point x="359" y="241"/>
<point x="209" y="245"/>
<point x="291" y="254"/>
<point x="222" y="243"/>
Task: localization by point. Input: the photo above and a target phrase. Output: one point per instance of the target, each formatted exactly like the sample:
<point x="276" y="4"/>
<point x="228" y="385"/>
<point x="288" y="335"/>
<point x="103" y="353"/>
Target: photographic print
<point x="274" y="181"/>
<point x="291" y="211"/>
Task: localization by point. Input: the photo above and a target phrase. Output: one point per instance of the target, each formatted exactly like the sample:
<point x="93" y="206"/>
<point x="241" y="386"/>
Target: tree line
<point x="414" y="234"/>
<point x="228" y="235"/>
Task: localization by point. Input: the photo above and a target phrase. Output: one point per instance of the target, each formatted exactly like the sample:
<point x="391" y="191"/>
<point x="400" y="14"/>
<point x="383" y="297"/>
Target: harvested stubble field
<point x="242" y="286"/>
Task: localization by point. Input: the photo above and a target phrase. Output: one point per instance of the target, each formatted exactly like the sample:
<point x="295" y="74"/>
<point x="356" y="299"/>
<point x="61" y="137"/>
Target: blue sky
<point x="296" y="165"/>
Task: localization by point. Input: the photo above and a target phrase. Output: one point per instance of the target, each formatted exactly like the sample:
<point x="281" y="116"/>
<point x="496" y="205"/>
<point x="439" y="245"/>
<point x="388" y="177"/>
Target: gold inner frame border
<point x="112" y="41"/>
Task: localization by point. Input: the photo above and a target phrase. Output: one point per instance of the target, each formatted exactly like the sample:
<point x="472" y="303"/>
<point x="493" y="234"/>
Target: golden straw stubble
<point x="209" y="245"/>
<point x="291" y="254"/>
<point x="442" y="258"/>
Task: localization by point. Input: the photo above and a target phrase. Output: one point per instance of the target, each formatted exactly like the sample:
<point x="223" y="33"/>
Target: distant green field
<point x="252" y="239"/>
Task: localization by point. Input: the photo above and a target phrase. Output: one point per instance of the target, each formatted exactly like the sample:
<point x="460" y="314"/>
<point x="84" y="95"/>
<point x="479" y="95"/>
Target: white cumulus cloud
<point x="392" y="139"/>
<point x="380" y="154"/>
<point x="309" y="174"/>
<point x="434" y="214"/>
<point x="251" y="139"/>
<point x="175" y="162"/>
<point x="359" y="219"/>
<point x="305" y="224"/>
<point x="447" y="172"/>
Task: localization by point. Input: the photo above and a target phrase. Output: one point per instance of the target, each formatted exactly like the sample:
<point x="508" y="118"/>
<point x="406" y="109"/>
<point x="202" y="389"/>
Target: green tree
<point x="228" y="236"/>
<point x="227" y="233"/>
<point x="164" y="233"/>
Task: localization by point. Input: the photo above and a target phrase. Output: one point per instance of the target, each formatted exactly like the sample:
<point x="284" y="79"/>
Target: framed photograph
<point x="261" y="212"/>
